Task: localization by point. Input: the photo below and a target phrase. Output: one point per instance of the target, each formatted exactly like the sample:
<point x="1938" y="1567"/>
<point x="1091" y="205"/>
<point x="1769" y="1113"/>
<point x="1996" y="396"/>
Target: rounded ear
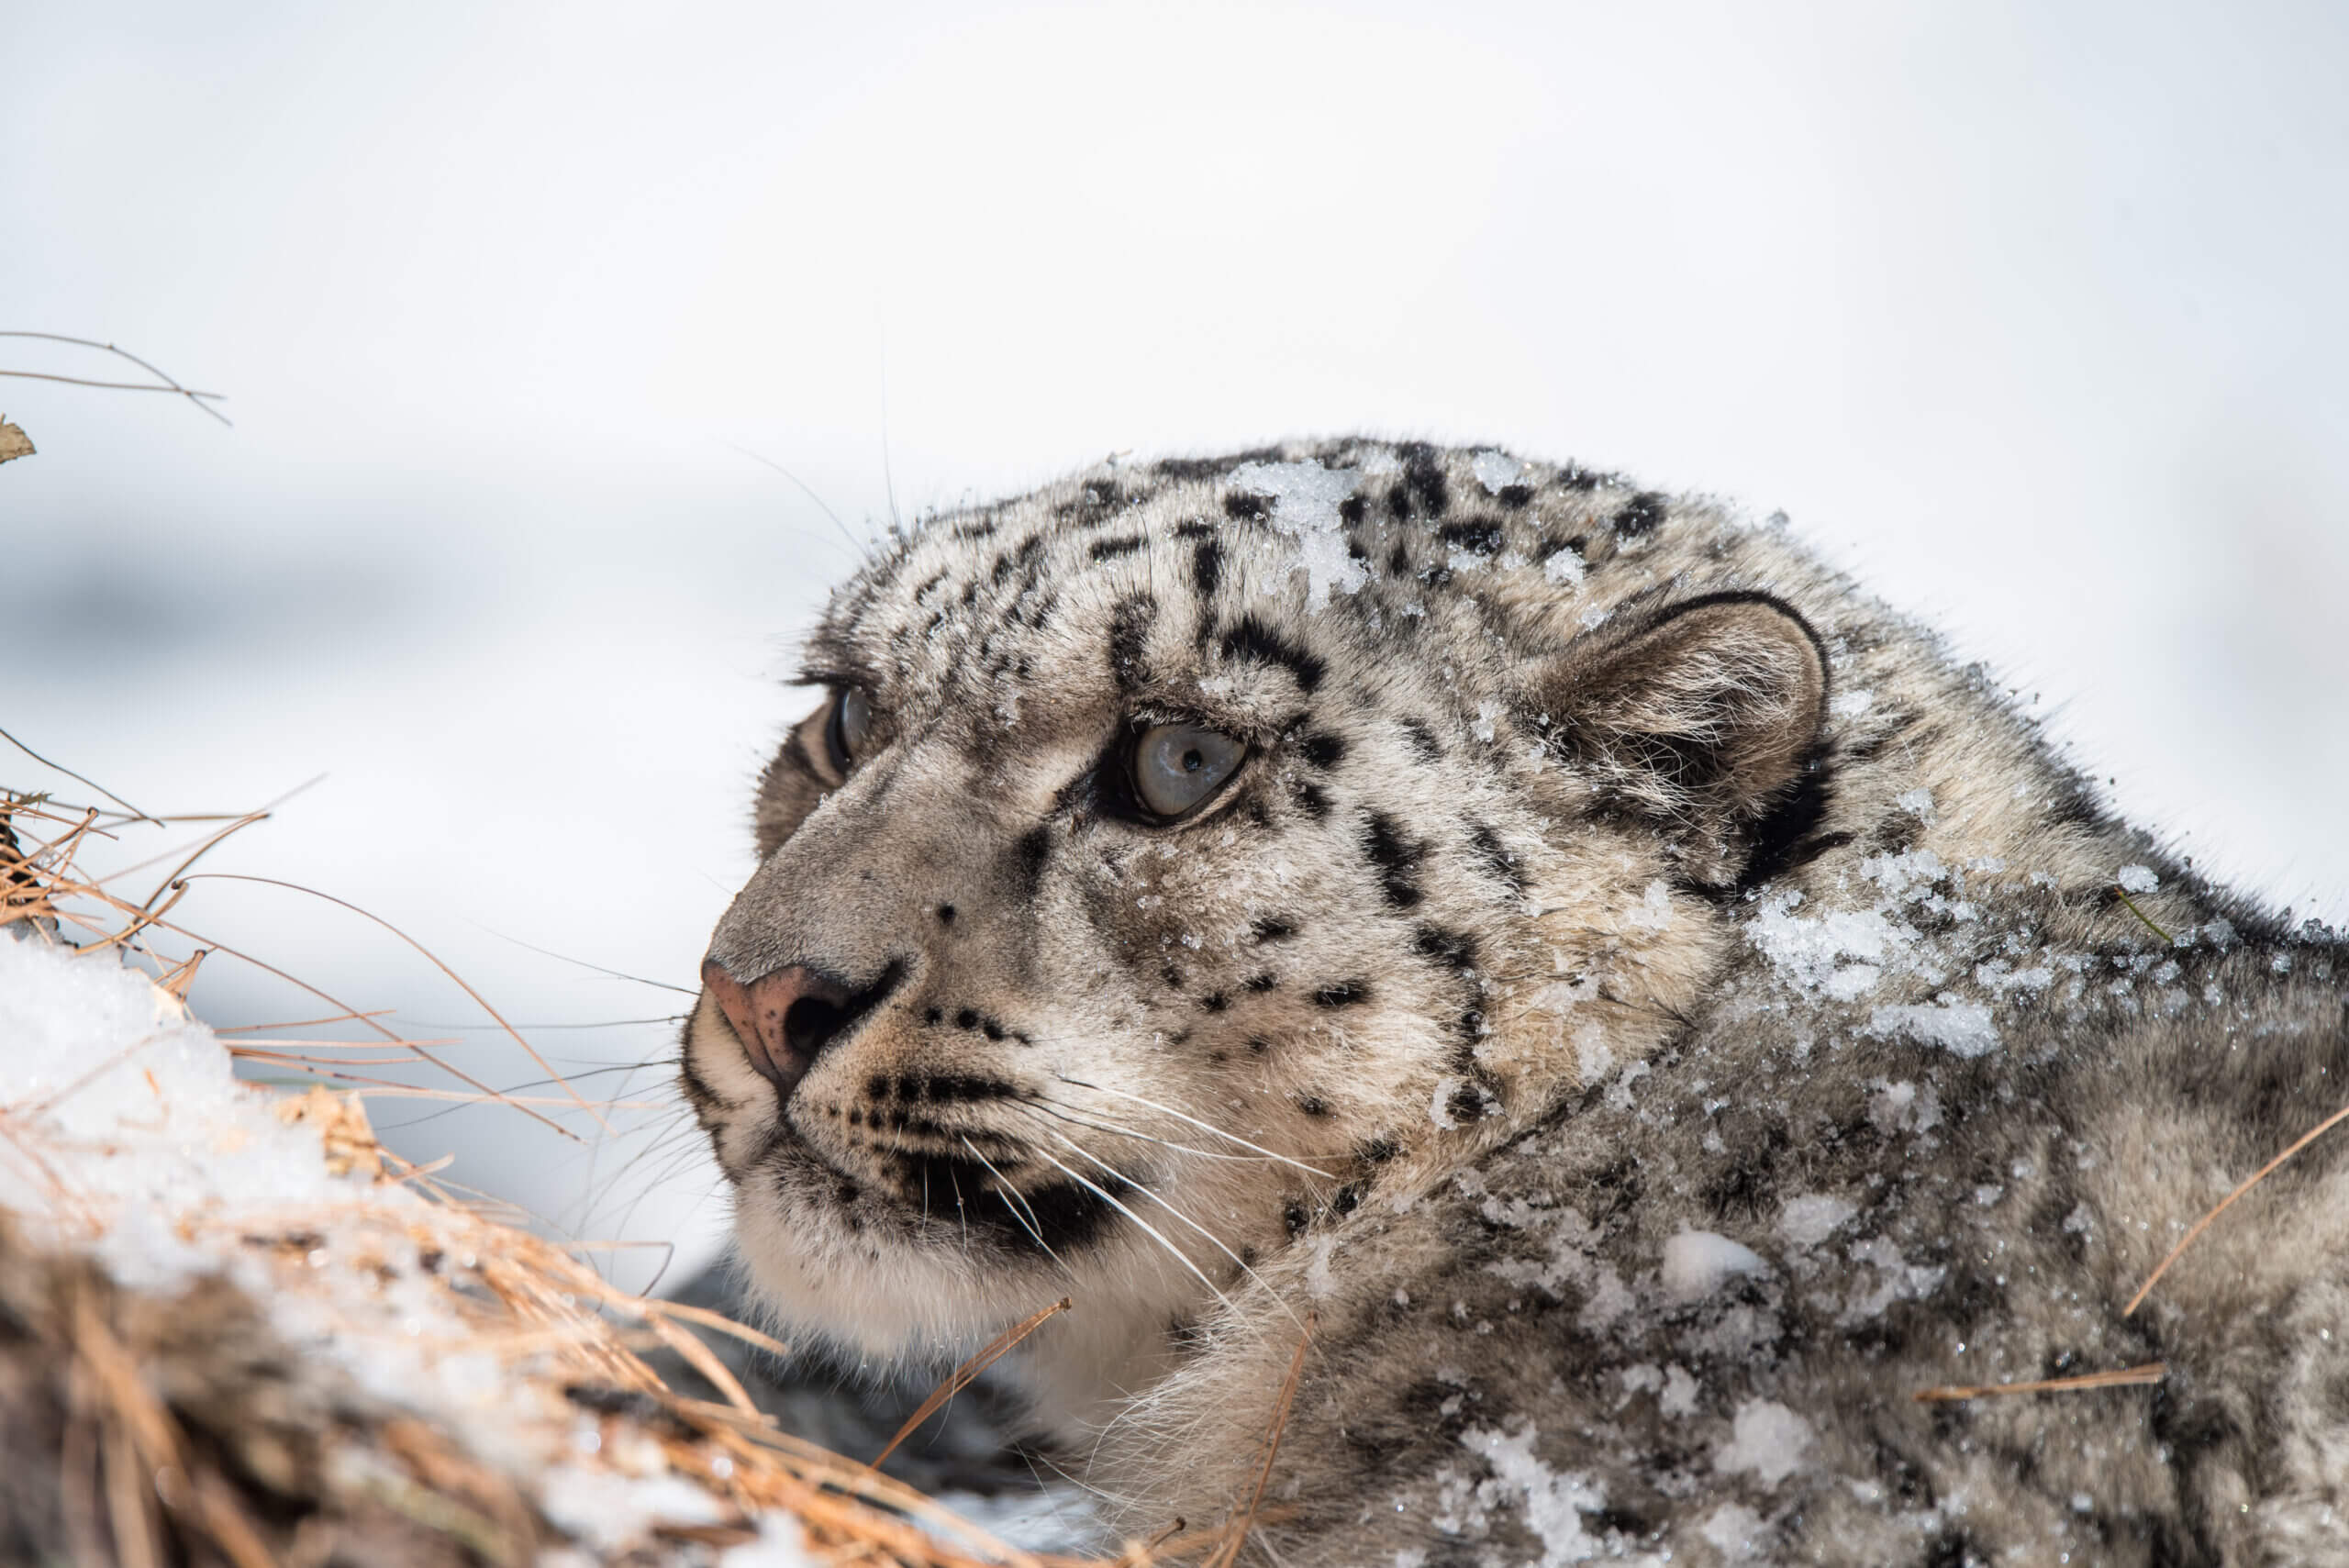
<point x="1706" y="711"/>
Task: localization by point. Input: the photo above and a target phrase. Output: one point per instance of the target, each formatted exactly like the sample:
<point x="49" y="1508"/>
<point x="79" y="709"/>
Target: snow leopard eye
<point x="851" y="729"/>
<point x="1177" y="767"/>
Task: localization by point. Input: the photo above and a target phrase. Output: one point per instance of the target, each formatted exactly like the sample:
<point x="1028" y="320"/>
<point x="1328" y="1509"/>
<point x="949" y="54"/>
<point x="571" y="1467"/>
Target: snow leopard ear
<point x="1706" y="713"/>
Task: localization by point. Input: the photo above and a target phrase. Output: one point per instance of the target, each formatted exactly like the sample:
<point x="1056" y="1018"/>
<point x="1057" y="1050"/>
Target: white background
<point x="2031" y="314"/>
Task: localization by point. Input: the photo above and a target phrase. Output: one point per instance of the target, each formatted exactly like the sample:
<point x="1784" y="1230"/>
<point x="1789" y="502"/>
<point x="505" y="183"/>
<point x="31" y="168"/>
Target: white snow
<point x="1553" y="1502"/>
<point x="1766" y="1438"/>
<point x="1733" y="1529"/>
<point x="1964" y="1028"/>
<point x="1916" y="803"/>
<point x="2137" y="878"/>
<point x="1496" y="471"/>
<point x="1563" y="568"/>
<point x="129" y="1137"/>
<point x="1653" y="912"/>
<point x="1811" y="1218"/>
<point x="1695" y="1263"/>
<point x="609" y="1512"/>
<point x="138" y="1114"/>
<point x="1851" y="705"/>
<point x="1306" y="497"/>
<point x="1852" y="982"/>
<point x="1806" y="950"/>
<point x="781" y="1544"/>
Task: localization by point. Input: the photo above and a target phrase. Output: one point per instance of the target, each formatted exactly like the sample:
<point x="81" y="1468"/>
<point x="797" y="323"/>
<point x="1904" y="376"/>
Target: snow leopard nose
<point x="785" y="1018"/>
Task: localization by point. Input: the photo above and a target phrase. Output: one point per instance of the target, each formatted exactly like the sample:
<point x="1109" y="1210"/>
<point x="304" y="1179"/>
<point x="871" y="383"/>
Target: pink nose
<point x="782" y="1019"/>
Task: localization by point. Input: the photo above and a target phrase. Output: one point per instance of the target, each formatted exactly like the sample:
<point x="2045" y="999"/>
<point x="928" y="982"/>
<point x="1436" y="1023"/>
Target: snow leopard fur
<point x="1638" y="1013"/>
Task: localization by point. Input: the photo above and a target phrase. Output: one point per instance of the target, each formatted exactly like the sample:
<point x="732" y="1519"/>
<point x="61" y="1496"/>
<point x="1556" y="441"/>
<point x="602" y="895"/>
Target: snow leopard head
<point x="1182" y="856"/>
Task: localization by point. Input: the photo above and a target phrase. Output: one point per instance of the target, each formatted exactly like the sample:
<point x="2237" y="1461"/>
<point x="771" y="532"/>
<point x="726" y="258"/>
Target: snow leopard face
<point x="1178" y="855"/>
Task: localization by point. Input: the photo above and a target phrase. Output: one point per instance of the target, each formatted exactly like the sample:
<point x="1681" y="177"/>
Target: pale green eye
<point x="851" y="729"/>
<point x="1178" y="767"/>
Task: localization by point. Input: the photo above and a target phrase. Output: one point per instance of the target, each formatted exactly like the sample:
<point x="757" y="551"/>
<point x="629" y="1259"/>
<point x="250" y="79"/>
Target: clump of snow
<point x="1553" y="1502"/>
<point x="1734" y="1530"/>
<point x="1680" y="1395"/>
<point x="1851" y="705"/>
<point x="1483" y="728"/>
<point x="1917" y="802"/>
<point x="1903" y="1106"/>
<point x="1563" y="568"/>
<point x="1811" y="1218"/>
<point x="609" y="1512"/>
<point x="1306" y="497"/>
<point x="1852" y="982"/>
<point x="145" y="1152"/>
<point x="1766" y="1438"/>
<point x="1807" y="950"/>
<point x="781" y="1544"/>
<point x="1653" y="911"/>
<point x="2137" y="878"/>
<point x="153" y="1135"/>
<point x="1496" y="471"/>
<point x="1695" y="1263"/>
<point x="1964" y="1028"/>
<point x="1896" y="1279"/>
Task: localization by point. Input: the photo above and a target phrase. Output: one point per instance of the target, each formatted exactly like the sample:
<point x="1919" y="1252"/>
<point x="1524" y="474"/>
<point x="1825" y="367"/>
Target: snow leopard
<point x="1530" y="1020"/>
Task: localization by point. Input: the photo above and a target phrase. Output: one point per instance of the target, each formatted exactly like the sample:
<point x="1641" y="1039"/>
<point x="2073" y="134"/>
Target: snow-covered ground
<point x="125" y="1133"/>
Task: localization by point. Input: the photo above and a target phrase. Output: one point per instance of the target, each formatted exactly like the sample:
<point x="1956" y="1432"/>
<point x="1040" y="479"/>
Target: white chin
<point x="884" y="1302"/>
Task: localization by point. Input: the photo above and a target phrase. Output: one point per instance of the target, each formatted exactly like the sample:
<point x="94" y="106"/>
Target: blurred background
<point x="2031" y="315"/>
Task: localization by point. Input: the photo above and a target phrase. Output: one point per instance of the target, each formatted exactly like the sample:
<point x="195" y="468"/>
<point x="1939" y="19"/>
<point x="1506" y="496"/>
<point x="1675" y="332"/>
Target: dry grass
<point x="150" y="1478"/>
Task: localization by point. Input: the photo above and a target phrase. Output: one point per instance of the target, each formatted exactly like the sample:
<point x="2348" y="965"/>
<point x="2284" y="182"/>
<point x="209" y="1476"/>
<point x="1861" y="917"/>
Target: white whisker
<point x="1016" y="1204"/>
<point x="1213" y="1239"/>
<point x="1147" y="1228"/>
<point x="1195" y="1121"/>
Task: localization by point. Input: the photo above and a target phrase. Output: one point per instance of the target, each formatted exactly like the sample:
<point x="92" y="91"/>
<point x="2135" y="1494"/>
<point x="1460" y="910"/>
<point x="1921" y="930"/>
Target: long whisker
<point x="1213" y="1239"/>
<point x="1147" y="1228"/>
<point x="1016" y="1202"/>
<point x="1195" y="1121"/>
<point x="1060" y="1111"/>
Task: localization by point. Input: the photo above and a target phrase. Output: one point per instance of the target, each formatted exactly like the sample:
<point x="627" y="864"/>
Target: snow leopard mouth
<point x="962" y="1198"/>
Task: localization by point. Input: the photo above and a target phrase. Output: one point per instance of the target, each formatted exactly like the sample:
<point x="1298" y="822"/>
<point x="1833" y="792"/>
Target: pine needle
<point x="2319" y="1130"/>
<point x="2151" y="1371"/>
<point x="989" y="1353"/>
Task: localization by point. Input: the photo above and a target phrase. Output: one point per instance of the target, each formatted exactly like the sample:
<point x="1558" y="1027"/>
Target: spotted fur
<point x="1651" y="1007"/>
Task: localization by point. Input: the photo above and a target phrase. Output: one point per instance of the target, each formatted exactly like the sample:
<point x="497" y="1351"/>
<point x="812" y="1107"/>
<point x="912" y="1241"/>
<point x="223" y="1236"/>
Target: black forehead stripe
<point x="1344" y="994"/>
<point x="1496" y="856"/>
<point x="1196" y="527"/>
<point x="1639" y="515"/>
<point x="1424" y="474"/>
<point x="1129" y="624"/>
<point x="1323" y="749"/>
<point x="1397" y="858"/>
<point x="1207" y="566"/>
<point x="1478" y="536"/>
<point x="1109" y="548"/>
<point x="1252" y="640"/>
<point x="1180" y="468"/>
